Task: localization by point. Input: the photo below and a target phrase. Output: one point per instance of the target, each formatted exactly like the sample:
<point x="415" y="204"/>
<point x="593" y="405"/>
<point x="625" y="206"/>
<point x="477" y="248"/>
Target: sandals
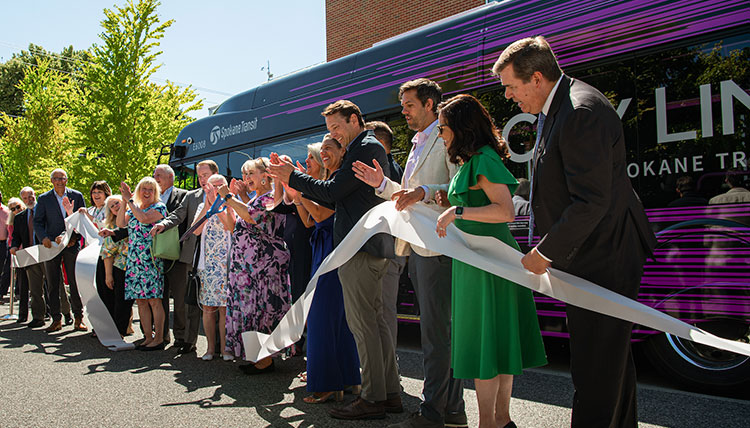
<point x="322" y="397"/>
<point x="302" y="377"/>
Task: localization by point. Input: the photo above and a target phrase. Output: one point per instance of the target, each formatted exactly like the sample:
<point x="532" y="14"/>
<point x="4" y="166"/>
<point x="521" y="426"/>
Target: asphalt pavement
<point x="67" y="379"/>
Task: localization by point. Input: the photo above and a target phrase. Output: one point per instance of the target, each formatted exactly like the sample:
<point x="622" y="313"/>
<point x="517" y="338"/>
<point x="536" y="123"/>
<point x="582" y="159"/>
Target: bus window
<point x="237" y="159"/>
<point x="295" y="148"/>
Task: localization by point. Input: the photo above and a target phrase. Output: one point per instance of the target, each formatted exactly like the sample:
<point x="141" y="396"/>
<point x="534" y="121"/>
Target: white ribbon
<point x="99" y="317"/>
<point x="417" y="226"/>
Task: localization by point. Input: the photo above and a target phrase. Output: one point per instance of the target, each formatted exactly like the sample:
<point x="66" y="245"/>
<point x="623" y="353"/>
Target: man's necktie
<point x="539" y="128"/>
<point x="30" y="219"/>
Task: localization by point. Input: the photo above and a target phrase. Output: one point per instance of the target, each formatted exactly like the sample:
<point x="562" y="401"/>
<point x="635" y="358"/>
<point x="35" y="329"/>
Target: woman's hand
<point x="301" y="168"/>
<point x="238" y="187"/>
<point x="210" y="191"/>
<point x="223" y="190"/>
<point x="441" y="197"/>
<point x="125" y="192"/>
<point x="293" y="194"/>
<point x="445" y="219"/>
<point x="110" y="281"/>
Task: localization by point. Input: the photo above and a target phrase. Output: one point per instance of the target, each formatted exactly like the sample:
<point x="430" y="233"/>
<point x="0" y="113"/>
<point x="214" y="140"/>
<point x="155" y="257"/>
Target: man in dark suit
<point x="49" y="224"/>
<point x="182" y="206"/>
<point x="361" y="276"/>
<point x="591" y="221"/>
<point x="24" y="237"/>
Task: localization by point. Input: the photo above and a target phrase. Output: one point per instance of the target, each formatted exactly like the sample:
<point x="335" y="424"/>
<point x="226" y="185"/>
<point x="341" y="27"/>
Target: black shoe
<point x="178" y="344"/>
<point x="159" y="347"/>
<point x="21" y="320"/>
<point x="186" y="349"/>
<point x="251" y="370"/>
<point x="68" y="319"/>
<point x="36" y="324"/>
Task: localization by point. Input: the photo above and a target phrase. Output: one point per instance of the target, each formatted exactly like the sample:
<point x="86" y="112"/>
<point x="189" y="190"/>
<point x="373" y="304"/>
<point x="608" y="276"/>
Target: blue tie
<point x="539" y="128"/>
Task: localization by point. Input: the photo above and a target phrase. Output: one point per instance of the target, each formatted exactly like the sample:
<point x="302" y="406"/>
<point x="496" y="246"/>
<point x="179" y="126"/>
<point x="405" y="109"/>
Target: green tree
<point x="124" y="119"/>
<point x="38" y="141"/>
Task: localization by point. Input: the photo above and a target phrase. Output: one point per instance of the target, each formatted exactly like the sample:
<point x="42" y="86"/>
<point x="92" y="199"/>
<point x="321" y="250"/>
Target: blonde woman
<point x="114" y="255"/>
<point x="216" y="234"/>
<point x="144" y="276"/>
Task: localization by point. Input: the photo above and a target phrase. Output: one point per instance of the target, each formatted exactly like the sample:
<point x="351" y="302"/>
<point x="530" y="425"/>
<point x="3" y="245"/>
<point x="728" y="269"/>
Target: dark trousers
<point x="186" y="322"/>
<point x="54" y="277"/>
<point x="122" y="309"/>
<point x="22" y="283"/>
<point x="107" y="295"/>
<point x="431" y="278"/>
<point x="601" y="360"/>
<point x="4" y="267"/>
<point x="35" y="276"/>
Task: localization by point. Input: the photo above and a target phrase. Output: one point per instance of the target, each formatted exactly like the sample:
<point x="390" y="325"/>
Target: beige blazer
<point x="433" y="167"/>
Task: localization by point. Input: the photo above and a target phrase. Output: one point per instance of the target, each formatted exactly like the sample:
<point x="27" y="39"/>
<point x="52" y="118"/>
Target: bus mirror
<point x="180" y="151"/>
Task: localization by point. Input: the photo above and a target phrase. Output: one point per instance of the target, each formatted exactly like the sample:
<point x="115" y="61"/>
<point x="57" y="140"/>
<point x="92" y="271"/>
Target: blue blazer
<point x="48" y="218"/>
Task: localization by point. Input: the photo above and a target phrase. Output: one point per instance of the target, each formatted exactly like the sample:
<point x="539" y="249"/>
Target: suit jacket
<point x="182" y="217"/>
<point x="48" y="218"/>
<point x="584" y="206"/>
<point x="20" y="238"/>
<point x="352" y="197"/>
<point x="433" y="167"/>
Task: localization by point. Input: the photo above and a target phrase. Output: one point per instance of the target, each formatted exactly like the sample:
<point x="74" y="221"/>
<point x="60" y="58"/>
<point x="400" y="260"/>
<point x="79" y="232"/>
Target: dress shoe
<point x="21" y="320"/>
<point x="358" y="409"/>
<point x="417" y="420"/>
<point x="179" y="343"/>
<point x="158" y="347"/>
<point x="36" y="323"/>
<point x="510" y="424"/>
<point x="55" y="326"/>
<point x="251" y="370"/>
<point x="68" y="319"/>
<point x="79" y="324"/>
<point x="186" y="349"/>
<point x="456" y="420"/>
<point x="392" y="404"/>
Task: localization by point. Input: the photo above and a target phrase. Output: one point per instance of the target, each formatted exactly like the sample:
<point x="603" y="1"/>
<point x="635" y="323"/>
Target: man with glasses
<point x="49" y="225"/>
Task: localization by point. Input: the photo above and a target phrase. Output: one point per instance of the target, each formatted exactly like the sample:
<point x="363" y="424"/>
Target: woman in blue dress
<point x="332" y="359"/>
<point x="144" y="276"/>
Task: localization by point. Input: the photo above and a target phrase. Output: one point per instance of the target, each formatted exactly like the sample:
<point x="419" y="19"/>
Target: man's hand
<point x="535" y="263"/>
<point x="47" y="243"/>
<point x="442" y="198"/>
<point x="158" y="228"/>
<point x="67" y="205"/>
<point x="13" y="250"/>
<point x="280" y="169"/>
<point x="106" y="232"/>
<point x="371" y="176"/>
<point x="58" y="240"/>
<point x="408" y="197"/>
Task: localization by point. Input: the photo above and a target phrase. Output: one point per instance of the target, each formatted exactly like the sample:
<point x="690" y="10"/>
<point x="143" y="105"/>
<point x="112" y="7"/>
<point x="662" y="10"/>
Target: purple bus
<point x="678" y="74"/>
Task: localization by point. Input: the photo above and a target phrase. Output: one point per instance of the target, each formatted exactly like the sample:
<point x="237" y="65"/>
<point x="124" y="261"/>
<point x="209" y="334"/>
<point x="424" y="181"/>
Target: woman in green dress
<point x="495" y="331"/>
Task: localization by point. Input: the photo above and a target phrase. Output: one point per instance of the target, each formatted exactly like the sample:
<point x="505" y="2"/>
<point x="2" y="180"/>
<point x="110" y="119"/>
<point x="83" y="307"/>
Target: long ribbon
<point x="417" y="226"/>
<point x="86" y="262"/>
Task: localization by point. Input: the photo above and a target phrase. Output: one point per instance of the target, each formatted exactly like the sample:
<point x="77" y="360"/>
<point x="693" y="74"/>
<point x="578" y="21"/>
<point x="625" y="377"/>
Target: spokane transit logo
<point x="215" y="135"/>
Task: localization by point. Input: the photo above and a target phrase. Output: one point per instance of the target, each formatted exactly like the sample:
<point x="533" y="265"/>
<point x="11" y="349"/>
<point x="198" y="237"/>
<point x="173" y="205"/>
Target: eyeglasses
<point x="15" y="208"/>
<point x="59" y="178"/>
<point x="441" y="128"/>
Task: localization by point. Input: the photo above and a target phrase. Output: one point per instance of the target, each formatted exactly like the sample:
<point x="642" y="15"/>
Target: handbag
<point x="194" y="281"/>
<point x="166" y="245"/>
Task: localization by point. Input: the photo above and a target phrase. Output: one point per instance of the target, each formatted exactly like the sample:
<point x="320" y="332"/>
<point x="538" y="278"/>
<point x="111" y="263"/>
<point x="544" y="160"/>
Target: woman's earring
<point x="263" y="181"/>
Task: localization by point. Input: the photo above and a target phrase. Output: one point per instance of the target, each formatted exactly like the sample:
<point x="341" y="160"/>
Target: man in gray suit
<point x="186" y="317"/>
<point x="430" y="273"/>
<point x="591" y="221"/>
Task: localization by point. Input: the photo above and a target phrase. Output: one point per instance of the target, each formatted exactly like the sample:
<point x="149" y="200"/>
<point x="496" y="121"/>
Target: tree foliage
<point x="95" y="113"/>
<point x="124" y="119"/>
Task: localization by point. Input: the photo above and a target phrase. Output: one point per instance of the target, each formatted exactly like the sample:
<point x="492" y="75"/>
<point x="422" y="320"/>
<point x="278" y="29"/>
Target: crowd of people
<point x="242" y="268"/>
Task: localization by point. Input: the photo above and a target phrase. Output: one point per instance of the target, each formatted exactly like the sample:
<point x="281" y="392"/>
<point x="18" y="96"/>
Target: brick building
<point x="354" y="25"/>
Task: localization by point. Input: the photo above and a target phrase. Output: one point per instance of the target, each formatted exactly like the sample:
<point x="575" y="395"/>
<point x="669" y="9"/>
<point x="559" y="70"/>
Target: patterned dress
<point x="143" y="279"/>
<point x="212" y="267"/>
<point x="259" y="292"/>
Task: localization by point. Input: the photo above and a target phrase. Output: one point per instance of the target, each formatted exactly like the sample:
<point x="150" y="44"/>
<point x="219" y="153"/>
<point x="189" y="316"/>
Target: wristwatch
<point x="131" y="201"/>
<point x="228" y="196"/>
<point x="459" y="213"/>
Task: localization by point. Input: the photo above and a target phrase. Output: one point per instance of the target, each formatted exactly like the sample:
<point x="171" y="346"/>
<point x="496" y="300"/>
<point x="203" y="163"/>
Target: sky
<point x="217" y="46"/>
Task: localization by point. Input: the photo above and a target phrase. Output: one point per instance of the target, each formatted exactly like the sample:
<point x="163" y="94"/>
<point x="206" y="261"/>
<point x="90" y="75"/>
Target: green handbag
<point x="166" y="245"/>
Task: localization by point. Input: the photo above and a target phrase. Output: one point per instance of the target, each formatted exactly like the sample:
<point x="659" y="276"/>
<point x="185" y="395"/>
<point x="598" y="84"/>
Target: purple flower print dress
<point x="259" y="292"/>
<point x="143" y="279"/>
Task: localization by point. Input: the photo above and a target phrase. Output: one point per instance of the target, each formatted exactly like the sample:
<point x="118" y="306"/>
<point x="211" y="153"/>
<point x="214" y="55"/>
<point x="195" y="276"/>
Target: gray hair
<point x="51" y="174"/>
<point x="166" y="168"/>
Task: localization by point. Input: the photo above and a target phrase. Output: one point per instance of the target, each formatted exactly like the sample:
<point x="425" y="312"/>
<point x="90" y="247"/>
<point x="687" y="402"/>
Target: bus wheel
<point x="697" y="365"/>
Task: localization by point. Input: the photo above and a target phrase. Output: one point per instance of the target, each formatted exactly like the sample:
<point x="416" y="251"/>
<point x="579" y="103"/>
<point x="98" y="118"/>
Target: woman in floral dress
<point x="114" y="255"/>
<point x="215" y="236"/>
<point x="259" y="290"/>
<point x="144" y="274"/>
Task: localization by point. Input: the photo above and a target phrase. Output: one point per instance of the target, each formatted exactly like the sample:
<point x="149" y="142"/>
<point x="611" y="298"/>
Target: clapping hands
<point x="125" y="192"/>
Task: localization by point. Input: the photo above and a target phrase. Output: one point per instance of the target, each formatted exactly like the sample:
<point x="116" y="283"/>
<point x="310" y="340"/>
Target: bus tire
<point x="698" y="366"/>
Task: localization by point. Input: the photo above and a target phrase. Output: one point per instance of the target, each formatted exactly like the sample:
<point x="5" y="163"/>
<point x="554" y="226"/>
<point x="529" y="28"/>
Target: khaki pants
<point x="361" y="283"/>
